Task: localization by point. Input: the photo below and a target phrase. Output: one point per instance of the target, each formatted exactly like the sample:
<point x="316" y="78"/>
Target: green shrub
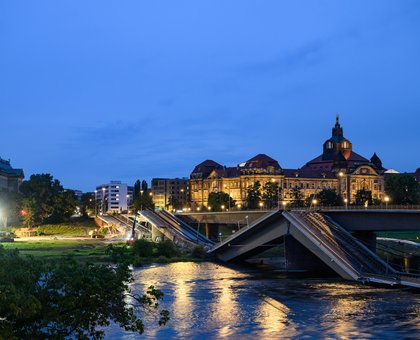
<point x="198" y="252"/>
<point x="143" y="248"/>
<point x="162" y="259"/>
<point x="166" y="248"/>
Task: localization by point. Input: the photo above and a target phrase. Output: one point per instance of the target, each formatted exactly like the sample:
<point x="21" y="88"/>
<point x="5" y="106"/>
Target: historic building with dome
<point x="338" y="168"/>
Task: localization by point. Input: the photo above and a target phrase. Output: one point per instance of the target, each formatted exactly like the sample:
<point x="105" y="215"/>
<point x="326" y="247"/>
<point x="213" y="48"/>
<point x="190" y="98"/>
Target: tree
<point x="68" y="299"/>
<point x="45" y="200"/>
<point x="363" y="197"/>
<point x="403" y="189"/>
<point x="87" y="203"/>
<point x="253" y="197"/>
<point x="217" y="199"/>
<point x="271" y="194"/>
<point x="297" y="197"/>
<point x="142" y="197"/>
<point x="174" y="203"/>
<point x="328" y="197"/>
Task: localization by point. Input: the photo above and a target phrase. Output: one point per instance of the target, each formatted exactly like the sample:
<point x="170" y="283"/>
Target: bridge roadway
<point x="351" y="219"/>
<point x="163" y="224"/>
<point x="317" y="236"/>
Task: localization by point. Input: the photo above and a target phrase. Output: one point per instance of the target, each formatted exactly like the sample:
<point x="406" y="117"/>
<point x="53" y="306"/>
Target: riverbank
<point x="96" y="250"/>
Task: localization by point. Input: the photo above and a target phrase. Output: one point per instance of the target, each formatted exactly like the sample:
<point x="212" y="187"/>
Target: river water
<point x="210" y="300"/>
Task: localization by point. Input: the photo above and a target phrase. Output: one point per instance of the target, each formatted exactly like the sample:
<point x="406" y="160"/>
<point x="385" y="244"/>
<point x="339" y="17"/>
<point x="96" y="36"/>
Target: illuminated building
<point x="10" y="178"/>
<point x="338" y="168"/>
<point x="113" y="197"/>
<point x="170" y="193"/>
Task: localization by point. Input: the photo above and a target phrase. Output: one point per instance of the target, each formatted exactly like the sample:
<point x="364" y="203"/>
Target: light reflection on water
<point x="208" y="300"/>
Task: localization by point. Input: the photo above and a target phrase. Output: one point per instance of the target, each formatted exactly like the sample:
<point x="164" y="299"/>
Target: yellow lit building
<point x="338" y="168"/>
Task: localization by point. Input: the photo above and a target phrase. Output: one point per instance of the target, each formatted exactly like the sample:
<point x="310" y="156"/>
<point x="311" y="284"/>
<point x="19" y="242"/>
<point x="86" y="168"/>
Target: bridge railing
<point x="358" y="207"/>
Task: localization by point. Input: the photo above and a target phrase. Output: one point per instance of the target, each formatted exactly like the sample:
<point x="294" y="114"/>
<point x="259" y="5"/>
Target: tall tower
<point x="337" y="148"/>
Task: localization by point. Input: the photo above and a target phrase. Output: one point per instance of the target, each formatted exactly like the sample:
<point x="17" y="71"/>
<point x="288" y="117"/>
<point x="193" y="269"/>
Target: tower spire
<point x="337" y="129"/>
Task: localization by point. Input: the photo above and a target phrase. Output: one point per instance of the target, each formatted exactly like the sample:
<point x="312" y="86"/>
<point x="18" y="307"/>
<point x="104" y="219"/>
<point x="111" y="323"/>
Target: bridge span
<point x="311" y="236"/>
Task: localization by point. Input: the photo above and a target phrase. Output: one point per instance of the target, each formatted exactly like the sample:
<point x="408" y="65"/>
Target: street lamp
<point x="222" y="207"/>
<point x="386" y="199"/>
<point x="346" y="202"/>
<point x="341" y="174"/>
<point x="103" y="199"/>
<point x="96" y="201"/>
<point x="284" y="203"/>
<point x="273" y="180"/>
<point x="209" y="208"/>
<point x="314" y="202"/>
<point x="261" y="205"/>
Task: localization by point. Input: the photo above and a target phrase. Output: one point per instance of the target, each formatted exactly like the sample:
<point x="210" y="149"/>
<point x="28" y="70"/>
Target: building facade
<point x="338" y="168"/>
<point x="10" y="178"/>
<point x="170" y="193"/>
<point x="114" y="197"/>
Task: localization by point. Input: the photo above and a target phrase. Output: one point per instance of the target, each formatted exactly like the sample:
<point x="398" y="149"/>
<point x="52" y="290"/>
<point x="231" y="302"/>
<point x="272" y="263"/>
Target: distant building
<point x="78" y="194"/>
<point x="10" y="178"/>
<point x="113" y="197"/>
<point x="338" y="168"/>
<point x="170" y="193"/>
<point x="417" y="175"/>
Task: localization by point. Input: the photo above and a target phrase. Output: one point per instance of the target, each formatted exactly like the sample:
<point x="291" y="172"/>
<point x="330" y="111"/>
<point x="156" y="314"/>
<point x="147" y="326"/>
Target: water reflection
<point x="208" y="300"/>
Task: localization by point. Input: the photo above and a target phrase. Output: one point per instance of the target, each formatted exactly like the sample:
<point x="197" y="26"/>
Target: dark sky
<point x="92" y="91"/>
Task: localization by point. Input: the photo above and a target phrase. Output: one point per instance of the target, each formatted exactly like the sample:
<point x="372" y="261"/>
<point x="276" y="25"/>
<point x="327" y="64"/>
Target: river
<point x="209" y="300"/>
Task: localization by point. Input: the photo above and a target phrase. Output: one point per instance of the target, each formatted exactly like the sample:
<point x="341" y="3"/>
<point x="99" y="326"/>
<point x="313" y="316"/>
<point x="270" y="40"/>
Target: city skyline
<point x="132" y="94"/>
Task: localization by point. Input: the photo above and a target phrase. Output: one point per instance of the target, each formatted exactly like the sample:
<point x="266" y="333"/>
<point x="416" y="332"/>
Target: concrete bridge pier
<point x="212" y="231"/>
<point x="368" y="238"/>
<point x="299" y="257"/>
<point x="157" y="235"/>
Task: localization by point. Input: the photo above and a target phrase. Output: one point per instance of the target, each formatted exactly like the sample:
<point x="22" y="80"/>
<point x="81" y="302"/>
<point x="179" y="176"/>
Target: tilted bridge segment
<point x="162" y="224"/>
<point x="318" y="236"/>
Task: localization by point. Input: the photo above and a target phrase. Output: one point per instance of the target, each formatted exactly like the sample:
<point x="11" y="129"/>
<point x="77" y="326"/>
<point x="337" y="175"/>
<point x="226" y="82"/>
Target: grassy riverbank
<point x="93" y="250"/>
<point x="84" y="250"/>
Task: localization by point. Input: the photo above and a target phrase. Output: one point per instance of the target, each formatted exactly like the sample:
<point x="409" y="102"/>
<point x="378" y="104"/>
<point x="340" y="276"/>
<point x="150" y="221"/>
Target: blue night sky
<point x="92" y="91"/>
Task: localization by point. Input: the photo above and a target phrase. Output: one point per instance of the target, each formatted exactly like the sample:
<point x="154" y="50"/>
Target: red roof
<point x="261" y="161"/>
<point x="206" y="167"/>
<point x="319" y="164"/>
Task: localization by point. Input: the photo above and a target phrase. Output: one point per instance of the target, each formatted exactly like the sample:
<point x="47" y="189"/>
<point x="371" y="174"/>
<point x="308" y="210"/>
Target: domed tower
<point x="337" y="144"/>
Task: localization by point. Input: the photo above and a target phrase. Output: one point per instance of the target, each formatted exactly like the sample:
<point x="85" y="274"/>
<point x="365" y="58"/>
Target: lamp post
<point x="96" y="201"/>
<point x="103" y="200"/>
<point x="284" y="203"/>
<point x="386" y="199"/>
<point x="346" y="202"/>
<point x="228" y="187"/>
<point x="314" y="203"/>
<point x="342" y="174"/>
<point x="261" y="204"/>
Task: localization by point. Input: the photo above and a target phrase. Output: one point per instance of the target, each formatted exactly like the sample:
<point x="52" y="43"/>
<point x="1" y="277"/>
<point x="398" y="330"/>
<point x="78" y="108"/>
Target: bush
<point x="166" y="248"/>
<point x="198" y="252"/>
<point x="143" y="248"/>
